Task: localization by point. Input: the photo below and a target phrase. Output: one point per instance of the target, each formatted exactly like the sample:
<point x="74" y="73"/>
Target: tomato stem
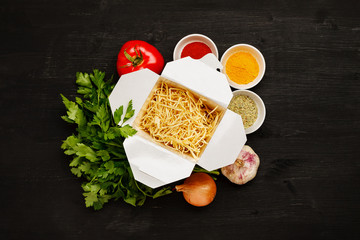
<point x="135" y="61"/>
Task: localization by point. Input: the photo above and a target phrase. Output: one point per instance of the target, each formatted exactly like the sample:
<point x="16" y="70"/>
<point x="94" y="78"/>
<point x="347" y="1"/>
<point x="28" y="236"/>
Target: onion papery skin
<point x="198" y="190"/>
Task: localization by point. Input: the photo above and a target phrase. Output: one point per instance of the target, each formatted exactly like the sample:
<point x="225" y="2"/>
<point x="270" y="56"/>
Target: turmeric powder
<point x="242" y="68"/>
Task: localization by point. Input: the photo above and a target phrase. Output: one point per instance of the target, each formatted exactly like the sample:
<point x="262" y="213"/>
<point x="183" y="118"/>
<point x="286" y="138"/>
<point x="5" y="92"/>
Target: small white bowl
<point x="194" y="38"/>
<point x="254" y="52"/>
<point x="260" y="106"/>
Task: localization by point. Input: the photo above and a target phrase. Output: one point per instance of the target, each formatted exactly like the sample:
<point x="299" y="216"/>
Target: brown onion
<point x="199" y="189"/>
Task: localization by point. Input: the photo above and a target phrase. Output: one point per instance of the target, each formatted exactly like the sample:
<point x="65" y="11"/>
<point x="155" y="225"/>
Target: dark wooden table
<point x="308" y="183"/>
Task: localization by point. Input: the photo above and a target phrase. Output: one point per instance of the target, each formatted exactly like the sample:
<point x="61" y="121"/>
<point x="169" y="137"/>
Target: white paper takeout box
<point x="154" y="165"/>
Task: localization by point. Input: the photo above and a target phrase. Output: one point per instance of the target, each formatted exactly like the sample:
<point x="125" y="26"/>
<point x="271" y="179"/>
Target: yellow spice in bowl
<point x="242" y="68"/>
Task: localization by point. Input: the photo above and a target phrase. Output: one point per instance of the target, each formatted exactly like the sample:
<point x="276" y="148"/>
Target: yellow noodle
<point x="179" y="120"/>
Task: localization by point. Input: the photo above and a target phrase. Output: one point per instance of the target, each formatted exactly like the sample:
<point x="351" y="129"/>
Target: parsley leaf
<point x="90" y="198"/>
<point x="117" y="115"/>
<point x="127" y="130"/>
<point x="129" y="112"/>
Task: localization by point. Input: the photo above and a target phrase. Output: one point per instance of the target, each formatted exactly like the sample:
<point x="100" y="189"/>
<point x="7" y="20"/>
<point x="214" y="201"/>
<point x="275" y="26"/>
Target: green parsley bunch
<point x="97" y="150"/>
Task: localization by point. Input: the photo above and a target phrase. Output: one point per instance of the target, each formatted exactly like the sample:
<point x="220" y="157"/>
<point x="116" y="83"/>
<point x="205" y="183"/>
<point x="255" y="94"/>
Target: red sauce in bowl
<point x="195" y="50"/>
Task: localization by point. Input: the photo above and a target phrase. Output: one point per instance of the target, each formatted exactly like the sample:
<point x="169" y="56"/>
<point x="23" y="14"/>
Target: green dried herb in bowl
<point x="246" y="107"/>
<point x="250" y="107"/>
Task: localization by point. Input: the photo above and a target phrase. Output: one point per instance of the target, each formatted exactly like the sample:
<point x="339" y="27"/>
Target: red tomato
<point x="136" y="54"/>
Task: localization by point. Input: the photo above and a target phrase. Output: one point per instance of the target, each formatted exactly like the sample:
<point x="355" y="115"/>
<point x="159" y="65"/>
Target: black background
<point x="308" y="182"/>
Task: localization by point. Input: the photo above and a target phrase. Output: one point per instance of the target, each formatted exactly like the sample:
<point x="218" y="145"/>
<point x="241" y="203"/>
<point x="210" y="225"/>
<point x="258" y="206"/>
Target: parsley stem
<point x="113" y="144"/>
<point x="92" y="180"/>
<point x="146" y="194"/>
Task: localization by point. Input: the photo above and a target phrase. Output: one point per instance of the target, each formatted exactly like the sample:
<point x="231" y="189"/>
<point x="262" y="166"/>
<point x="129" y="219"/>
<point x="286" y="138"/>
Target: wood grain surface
<point x="308" y="182"/>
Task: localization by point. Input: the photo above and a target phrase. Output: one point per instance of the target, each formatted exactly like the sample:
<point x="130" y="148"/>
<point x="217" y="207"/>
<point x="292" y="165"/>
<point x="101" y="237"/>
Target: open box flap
<point x="145" y="178"/>
<point x="226" y="143"/>
<point x="156" y="161"/>
<point x="200" y="78"/>
<point x="133" y="86"/>
<point x="212" y="61"/>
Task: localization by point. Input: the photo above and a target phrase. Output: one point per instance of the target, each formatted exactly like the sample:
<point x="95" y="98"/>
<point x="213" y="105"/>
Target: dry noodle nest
<point x="177" y="119"/>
